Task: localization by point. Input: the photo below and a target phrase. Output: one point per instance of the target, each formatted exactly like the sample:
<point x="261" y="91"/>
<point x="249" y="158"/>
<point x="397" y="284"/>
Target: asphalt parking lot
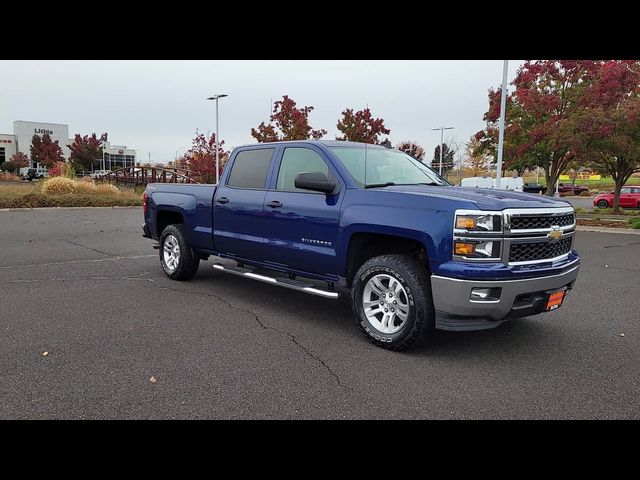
<point x="85" y="287"/>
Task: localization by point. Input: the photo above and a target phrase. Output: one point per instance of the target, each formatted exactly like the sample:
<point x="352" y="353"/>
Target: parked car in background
<point x="534" y="188"/>
<point x="98" y="173"/>
<point x="514" y="184"/>
<point x="629" y="198"/>
<point x="568" y="188"/>
<point x="31" y="174"/>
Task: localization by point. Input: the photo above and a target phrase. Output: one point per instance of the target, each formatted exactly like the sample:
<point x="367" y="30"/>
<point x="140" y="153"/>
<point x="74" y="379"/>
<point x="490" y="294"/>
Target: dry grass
<point x="85" y="194"/>
<point x="58" y="186"/>
<point x="85" y="187"/>
<point x="107" y="188"/>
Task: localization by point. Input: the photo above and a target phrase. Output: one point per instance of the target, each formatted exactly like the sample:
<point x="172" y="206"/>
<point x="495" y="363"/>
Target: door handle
<point x="274" y="204"/>
<point x="223" y="200"/>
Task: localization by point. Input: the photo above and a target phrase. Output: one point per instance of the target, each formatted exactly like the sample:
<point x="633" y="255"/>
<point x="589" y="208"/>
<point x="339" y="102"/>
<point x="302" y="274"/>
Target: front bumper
<point x="518" y="297"/>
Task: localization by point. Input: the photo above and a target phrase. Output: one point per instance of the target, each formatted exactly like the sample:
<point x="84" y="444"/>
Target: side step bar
<point x="280" y="282"/>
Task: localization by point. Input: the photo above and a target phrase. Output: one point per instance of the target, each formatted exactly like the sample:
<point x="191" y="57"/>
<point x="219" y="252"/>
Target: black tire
<point x="415" y="280"/>
<point x="603" y="204"/>
<point x="188" y="262"/>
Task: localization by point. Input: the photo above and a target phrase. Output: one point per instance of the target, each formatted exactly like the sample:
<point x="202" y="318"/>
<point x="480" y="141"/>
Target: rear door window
<point x="250" y="168"/>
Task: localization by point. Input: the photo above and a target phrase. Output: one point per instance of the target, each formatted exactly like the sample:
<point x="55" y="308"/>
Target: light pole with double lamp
<point x="442" y="129"/>
<point x="216" y="97"/>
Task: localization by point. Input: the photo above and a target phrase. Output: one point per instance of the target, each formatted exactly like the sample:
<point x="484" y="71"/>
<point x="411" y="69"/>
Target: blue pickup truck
<point x="417" y="253"/>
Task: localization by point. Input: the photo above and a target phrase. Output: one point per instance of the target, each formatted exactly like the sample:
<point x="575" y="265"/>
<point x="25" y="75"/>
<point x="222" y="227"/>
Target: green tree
<point x="7" y="166"/>
<point x="447" y="158"/>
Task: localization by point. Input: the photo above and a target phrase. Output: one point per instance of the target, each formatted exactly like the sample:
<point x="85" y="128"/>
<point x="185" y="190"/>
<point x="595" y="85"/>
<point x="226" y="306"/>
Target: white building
<point x="114" y="156"/>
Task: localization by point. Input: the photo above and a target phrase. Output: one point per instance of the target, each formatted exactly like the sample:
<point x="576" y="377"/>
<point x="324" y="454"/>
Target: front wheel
<point x="603" y="204"/>
<point x="178" y="261"/>
<point x="391" y="298"/>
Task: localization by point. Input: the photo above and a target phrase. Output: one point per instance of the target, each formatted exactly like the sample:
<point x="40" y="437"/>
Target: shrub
<point x="585" y="194"/>
<point x="37" y="200"/>
<point x="68" y="171"/>
<point x="86" y="179"/>
<point x="85" y="187"/>
<point x="55" y="170"/>
<point x="634" y="222"/>
<point x="106" y="189"/>
<point x="58" y="186"/>
<point x="6" y="176"/>
<point x="7" y="166"/>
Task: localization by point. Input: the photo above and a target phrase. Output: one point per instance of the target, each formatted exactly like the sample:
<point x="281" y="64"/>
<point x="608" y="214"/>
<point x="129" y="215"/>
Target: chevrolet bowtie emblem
<point x="555" y="234"/>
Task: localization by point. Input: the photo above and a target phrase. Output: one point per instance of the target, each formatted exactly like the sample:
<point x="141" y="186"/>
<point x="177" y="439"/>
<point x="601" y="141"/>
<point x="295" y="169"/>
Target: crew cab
<point x="416" y="253"/>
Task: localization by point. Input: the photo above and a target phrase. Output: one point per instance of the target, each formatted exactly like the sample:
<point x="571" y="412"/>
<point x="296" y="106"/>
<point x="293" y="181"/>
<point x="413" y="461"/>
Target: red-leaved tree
<point x="200" y="159"/>
<point x="86" y="151"/>
<point x="541" y="116"/>
<point x="361" y="126"/>
<point x="287" y="123"/>
<point x="610" y="123"/>
<point x="19" y="160"/>
<point x="45" y="151"/>
<point x="412" y="149"/>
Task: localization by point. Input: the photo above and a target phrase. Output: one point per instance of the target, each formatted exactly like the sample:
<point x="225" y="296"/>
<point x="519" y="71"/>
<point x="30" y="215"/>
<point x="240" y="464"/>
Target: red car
<point x="629" y="198"/>
<point x="575" y="189"/>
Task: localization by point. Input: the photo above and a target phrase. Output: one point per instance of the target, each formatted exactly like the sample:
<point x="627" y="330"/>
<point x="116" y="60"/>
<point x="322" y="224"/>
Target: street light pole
<point x="216" y="97"/>
<point x="442" y="129"/>
<point x="176" y="160"/>
<point x="503" y="104"/>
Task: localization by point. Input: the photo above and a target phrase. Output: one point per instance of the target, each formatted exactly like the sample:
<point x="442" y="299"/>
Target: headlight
<point x="478" y="250"/>
<point x="477" y="236"/>
<point x="479" y="223"/>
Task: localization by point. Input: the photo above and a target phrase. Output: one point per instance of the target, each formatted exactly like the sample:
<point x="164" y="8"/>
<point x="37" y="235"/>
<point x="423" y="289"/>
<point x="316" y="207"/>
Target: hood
<point x="483" y="198"/>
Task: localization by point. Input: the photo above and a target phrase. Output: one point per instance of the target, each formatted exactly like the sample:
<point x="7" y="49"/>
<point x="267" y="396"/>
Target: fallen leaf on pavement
<point x="153" y="379"/>
<point x="44" y="354"/>
<point x="622" y="334"/>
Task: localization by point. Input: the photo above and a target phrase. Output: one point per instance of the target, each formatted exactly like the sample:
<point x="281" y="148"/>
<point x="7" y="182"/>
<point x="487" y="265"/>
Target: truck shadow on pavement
<point x="287" y="310"/>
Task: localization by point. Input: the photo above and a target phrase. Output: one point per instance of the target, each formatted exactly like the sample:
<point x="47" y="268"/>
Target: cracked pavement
<point x="84" y="286"/>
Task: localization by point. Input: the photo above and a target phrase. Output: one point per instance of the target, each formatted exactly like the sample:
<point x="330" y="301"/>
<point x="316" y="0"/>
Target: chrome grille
<point x="526" y="222"/>
<point x="531" y="251"/>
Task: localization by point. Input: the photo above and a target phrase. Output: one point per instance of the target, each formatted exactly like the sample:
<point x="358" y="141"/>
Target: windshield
<point x="385" y="167"/>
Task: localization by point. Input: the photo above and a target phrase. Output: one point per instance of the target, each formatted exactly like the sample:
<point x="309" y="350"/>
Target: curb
<point x="627" y="231"/>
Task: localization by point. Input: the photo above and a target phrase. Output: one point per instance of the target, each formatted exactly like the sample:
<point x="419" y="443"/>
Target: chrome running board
<point x="280" y="282"/>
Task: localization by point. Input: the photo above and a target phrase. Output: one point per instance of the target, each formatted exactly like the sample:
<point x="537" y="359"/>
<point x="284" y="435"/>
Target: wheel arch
<point x="369" y="243"/>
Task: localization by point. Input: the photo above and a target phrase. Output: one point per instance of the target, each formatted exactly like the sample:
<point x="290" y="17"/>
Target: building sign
<point x="43" y="131"/>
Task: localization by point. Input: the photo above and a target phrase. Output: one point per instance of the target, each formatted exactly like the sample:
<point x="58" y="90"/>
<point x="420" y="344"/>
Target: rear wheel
<point x="391" y="299"/>
<point x="178" y="260"/>
<point x="603" y="204"/>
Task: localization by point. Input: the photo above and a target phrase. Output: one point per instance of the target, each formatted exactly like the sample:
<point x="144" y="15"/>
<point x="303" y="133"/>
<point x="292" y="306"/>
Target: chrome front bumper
<point x="456" y="311"/>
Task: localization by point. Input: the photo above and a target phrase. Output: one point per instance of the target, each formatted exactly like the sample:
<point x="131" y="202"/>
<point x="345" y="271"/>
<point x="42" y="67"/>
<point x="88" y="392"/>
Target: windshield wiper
<point x="375" y="185"/>
<point x="431" y="183"/>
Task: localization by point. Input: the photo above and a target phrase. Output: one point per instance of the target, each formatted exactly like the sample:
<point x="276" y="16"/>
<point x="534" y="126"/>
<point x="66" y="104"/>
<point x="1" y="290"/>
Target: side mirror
<point x="316" y="181"/>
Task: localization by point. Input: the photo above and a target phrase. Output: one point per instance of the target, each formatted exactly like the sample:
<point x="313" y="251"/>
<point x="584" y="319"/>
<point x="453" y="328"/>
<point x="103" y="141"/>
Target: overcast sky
<point x="156" y="106"/>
